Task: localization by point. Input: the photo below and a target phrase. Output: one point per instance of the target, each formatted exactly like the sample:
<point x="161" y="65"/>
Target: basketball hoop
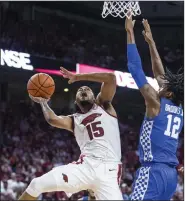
<point x="121" y="8"/>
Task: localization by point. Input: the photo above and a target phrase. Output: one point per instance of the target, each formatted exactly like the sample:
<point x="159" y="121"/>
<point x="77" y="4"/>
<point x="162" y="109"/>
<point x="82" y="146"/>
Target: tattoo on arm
<point x="47" y="111"/>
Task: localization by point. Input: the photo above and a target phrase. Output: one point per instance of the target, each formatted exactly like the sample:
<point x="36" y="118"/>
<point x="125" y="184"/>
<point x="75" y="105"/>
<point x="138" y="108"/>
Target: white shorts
<point x="87" y="173"/>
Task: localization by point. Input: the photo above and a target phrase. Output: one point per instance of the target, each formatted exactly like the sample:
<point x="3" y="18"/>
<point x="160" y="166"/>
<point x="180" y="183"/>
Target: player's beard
<point x="86" y="105"/>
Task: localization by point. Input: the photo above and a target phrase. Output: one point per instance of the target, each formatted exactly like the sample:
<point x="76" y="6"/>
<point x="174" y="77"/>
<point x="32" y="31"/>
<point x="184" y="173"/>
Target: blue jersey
<point x="159" y="135"/>
<point x="85" y="198"/>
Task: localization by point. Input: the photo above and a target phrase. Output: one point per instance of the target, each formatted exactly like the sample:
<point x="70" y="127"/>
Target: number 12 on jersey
<point x="94" y="130"/>
<point x="173" y="126"/>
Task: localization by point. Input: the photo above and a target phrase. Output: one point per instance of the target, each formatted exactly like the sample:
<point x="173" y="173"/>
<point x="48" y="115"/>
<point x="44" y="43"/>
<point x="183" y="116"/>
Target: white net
<point x="121" y="8"/>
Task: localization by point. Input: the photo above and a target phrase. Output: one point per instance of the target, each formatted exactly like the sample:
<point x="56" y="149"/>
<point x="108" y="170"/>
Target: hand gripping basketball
<point x="39" y="99"/>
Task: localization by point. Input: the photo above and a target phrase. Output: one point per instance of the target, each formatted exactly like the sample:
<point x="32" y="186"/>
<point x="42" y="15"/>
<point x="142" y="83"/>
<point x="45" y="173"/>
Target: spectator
<point x="31" y="148"/>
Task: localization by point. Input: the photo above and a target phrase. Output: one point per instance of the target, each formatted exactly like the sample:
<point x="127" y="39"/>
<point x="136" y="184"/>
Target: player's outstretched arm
<point x="108" y="80"/>
<point x="64" y="122"/>
<point x="157" y="66"/>
<point x="135" y="67"/>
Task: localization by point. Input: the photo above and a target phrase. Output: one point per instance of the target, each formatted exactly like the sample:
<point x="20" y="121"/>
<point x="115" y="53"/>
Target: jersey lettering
<point x="97" y="134"/>
<point x="94" y="130"/>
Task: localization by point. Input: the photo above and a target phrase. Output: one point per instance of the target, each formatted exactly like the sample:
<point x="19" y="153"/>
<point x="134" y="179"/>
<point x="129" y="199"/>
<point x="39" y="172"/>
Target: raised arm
<point x="136" y="70"/>
<point x="64" y="122"/>
<point x="157" y="66"/>
<point x="108" y="87"/>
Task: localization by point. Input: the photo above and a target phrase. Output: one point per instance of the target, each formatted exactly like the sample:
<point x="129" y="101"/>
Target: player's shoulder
<point x="105" y="104"/>
<point x="75" y="115"/>
<point x="108" y="108"/>
<point x="165" y="102"/>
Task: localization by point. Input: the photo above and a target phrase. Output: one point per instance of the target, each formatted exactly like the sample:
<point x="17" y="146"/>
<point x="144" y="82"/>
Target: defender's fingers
<point x="143" y="32"/>
<point x="63" y="69"/>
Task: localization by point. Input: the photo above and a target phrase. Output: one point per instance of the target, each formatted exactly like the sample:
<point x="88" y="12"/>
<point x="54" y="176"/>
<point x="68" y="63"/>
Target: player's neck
<point x="87" y="108"/>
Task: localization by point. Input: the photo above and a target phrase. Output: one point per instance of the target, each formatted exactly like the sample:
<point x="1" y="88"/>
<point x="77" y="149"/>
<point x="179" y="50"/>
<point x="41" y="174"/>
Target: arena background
<point x="68" y="34"/>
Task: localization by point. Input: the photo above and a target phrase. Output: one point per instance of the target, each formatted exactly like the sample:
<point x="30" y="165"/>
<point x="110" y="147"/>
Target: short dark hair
<point x="175" y="83"/>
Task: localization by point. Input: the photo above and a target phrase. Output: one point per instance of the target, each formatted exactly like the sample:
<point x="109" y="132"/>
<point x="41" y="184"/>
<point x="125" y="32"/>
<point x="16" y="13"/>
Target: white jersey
<point x="97" y="134"/>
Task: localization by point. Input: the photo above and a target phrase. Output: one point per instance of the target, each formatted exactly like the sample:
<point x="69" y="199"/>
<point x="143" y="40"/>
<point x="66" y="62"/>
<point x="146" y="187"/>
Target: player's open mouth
<point x="84" y="94"/>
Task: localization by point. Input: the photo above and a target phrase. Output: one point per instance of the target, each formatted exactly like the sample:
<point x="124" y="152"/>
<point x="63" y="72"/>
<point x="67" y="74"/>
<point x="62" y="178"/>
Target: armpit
<point x="106" y="105"/>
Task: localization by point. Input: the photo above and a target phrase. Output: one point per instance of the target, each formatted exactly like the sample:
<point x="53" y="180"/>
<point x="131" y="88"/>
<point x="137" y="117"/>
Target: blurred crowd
<point x="75" y="41"/>
<point x="31" y="148"/>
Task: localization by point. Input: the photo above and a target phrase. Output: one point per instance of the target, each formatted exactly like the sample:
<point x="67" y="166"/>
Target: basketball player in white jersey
<point x="97" y="133"/>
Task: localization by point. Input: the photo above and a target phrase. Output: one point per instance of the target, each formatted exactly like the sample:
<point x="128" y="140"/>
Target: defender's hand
<point x="147" y="33"/>
<point x="129" y="24"/>
<point x="38" y="99"/>
<point x="69" y="75"/>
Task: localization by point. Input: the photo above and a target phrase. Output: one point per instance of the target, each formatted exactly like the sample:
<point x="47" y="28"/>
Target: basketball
<point x="41" y="85"/>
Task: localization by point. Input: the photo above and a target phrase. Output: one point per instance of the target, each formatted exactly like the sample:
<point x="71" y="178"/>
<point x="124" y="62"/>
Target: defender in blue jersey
<point x="156" y="179"/>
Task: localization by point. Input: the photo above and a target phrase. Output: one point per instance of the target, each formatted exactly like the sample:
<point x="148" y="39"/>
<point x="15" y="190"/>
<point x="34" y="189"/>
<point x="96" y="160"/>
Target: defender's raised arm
<point x="135" y="67"/>
<point x="157" y="66"/>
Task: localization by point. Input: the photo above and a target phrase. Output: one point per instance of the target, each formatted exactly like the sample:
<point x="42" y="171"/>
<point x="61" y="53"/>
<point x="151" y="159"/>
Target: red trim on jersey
<point x="90" y="118"/>
<point x="80" y="160"/>
<point x="107" y="112"/>
<point x="119" y="173"/>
